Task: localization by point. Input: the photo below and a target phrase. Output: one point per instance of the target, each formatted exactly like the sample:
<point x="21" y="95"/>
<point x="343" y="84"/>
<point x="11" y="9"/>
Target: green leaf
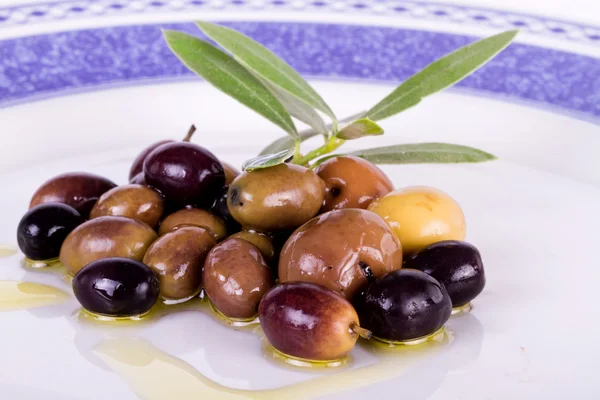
<point x="360" y="128"/>
<point x="424" y="153"/>
<point x="440" y="74"/>
<point x="229" y="76"/>
<point x="287" y="142"/>
<point x="298" y="109"/>
<point x="268" y="160"/>
<point x="265" y="63"/>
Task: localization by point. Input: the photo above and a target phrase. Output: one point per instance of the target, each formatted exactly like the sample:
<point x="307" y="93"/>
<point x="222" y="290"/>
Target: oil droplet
<point x="155" y="375"/>
<point x="24" y="295"/>
<point x="464" y="309"/>
<point x="7" y="250"/>
<point x="435" y="336"/>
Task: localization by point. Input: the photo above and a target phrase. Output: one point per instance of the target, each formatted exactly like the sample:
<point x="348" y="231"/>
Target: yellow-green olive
<point x="132" y="201"/>
<point x="194" y="217"/>
<point x="260" y="240"/>
<point x="420" y="216"/>
<point x="276" y="198"/>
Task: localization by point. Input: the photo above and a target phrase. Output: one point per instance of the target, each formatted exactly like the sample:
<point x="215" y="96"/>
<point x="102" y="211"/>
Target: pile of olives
<point x="320" y="256"/>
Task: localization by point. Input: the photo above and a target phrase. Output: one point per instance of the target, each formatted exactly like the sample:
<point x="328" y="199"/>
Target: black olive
<point x="43" y="230"/>
<point x="116" y="287"/>
<point x="454" y="263"/>
<point x="403" y="305"/>
<point x="220" y="209"/>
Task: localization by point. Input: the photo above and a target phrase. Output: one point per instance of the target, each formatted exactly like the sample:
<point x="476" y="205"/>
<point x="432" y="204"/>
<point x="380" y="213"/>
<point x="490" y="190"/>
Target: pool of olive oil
<point x="16" y="296"/>
<point x="7" y="250"/>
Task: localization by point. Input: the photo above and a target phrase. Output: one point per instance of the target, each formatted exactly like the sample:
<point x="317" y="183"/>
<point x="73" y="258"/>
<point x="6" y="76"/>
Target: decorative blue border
<point x="69" y="61"/>
<point x="424" y="10"/>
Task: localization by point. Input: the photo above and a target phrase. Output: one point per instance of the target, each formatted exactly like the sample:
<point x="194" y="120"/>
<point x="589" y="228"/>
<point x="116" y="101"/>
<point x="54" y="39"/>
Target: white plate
<point x="534" y="214"/>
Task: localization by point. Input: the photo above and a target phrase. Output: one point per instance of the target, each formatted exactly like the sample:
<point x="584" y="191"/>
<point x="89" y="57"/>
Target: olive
<point x="194" y="217"/>
<point x="220" y="209"/>
<point x="420" y="216"/>
<point x="260" y="240"/>
<point x="308" y="321"/>
<point x="403" y="305"/>
<point x="139" y="179"/>
<point x="230" y="172"/>
<point x="43" y="230"/>
<point x="177" y="259"/>
<point x="185" y="173"/>
<point x="236" y="277"/>
<point x="342" y="250"/>
<point x="276" y="198"/>
<point x="79" y="190"/>
<point x="116" y="287"/>
<point x="105" y="237"/>
<point x="352" y="182"/>
<point x="137" y="167"/>
<point x="455" y="264"/>
<point x="132" y="201"/>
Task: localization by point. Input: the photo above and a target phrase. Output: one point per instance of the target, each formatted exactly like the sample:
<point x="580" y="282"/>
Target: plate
<point x="85" y="85"/>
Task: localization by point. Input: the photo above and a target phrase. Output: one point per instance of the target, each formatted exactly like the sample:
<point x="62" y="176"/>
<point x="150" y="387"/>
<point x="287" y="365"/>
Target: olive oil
<point x="155" y="375"/>
<point x="7" y="250"/>
<point x="54" y="262"/>
<point x="464" y="309"/>
<point x="278" y="356"/>
<point x="435" y="336"/>
<point x="16" y="296"/>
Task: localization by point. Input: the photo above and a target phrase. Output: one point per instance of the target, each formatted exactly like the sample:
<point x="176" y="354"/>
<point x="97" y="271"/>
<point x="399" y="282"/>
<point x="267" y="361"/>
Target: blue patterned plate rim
<point x="54" y="64"/>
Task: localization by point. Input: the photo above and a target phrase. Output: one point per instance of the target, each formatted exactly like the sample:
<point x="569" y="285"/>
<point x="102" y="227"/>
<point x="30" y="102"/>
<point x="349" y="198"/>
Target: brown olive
<point x="177" y="259"/>
<point x="105" y="237"/>
<point x="352" y="182"/>
<point x="79" y="190"/>
<point x="236" y="277"/>
<point x="309" y="321"/>
<point x="275" y="198"/>
<point x="132" y="201"/>
<point x="420" y="216"/>
<point x="194" y="217"/>
<point x="343" y="250"/>
<point x="260" y="240"/>
<point x="230" y="172"/>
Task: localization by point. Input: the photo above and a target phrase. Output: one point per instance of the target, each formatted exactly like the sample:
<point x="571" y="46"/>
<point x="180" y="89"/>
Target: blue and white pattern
<point x="73" y="9"/>
<point x="47" y="65"/>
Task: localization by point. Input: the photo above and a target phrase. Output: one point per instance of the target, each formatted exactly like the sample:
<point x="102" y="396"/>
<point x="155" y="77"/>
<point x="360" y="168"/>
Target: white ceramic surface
<point x="533" y="214"/>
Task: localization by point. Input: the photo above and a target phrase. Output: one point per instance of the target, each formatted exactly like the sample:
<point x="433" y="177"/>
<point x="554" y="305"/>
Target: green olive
<point x="105" y="237"/>
<point x="194" y="217"/>
<point x="132" y="201"/>
<point x="260" y="240"/>
<point x="276" y="198"/>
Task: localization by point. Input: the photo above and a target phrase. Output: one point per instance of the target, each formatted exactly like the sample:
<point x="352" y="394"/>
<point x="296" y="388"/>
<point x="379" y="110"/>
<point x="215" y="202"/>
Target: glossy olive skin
<point x="79" y="190"/>
<point x="139" y="179"/>
<point x="185" y="173"/>
<point x="276" y="198"/>
<point x="220" y="209"/>
<point x="420" y="216"/>
<point x="343" y="250"/>
<point x="116" y="287"/>
<point x="231" y="172"/>
<point x="260" y="240"/>
<point x="138" y="164"/>
<point x="403" y="305"/>
<point x="236" y="277"/>
<point x="455" y="264"/>
<point x="352" y="182"/>
<point x="43" y="230"/>
<point x="194" y="217"/>
<point x="177" y="258"/>
<point x="105" y="237"/>
<point x="308" y="321"/>
<point x="131" y="201"/>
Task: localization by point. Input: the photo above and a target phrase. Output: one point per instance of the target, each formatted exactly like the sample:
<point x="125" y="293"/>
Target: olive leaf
<point x="360" y="128"/>
<point x="287" y="142"/>
<point x="441" y="74"/>
<point x="298" y="109"/>
<point x="263" y="62"/>
<point x="424" y="153"/>
<point x="268" y="160"/>
<point x="229" y="76"/>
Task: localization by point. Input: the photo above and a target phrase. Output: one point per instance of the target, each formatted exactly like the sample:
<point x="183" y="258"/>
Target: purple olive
<point x="116" y="287"/>
<point x="137" y="167"/>
<point x="43" y="230"/>
<point x="403" y="305"/>
<point x="455" y="264"/>
<point x="185" y="173"/>
<point x="79" y="190"/>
